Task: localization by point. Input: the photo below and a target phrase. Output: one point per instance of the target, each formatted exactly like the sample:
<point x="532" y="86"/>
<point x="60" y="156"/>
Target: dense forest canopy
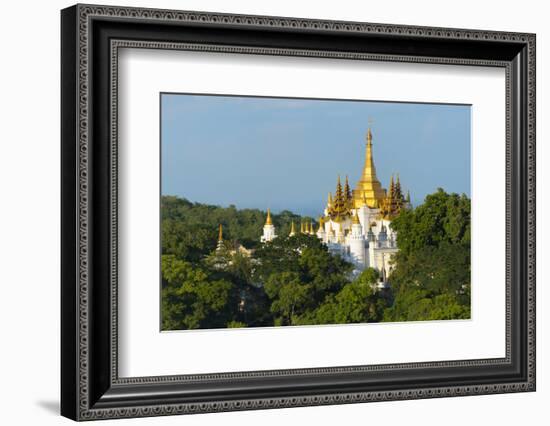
<point x="295" y="280"/>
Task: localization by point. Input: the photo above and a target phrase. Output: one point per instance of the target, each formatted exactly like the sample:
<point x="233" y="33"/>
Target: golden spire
<point x="301" y="227"/>
<point x="292" y="230"/>
<point x="321" y="224"/>
<point x="268" y="220"/>
<point x="355" y="219"/>
<point x="347" y="194"/>
<point x="220" y="245"/>
<point x="329" y="204"/>
<point x="368" y="188"/>
<point x="339" y="205"/>
<point x="310" y="227"/>
<point x="398" y="194"/>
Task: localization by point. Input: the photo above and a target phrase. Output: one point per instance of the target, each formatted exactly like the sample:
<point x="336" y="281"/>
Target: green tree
<point x="298" y="274"/>
<point x="431" y="272"/>
<point x="289" y="294"/>
<point x="420" y="305"/>
<point x="442" y="218"/>
<point x="190" y="229"/>
<point x="357" y="302"/>
<point x="190" y="299"/>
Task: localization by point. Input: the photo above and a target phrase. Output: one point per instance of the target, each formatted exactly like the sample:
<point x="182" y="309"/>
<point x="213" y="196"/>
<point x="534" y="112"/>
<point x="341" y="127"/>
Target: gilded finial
<point x="355" y="219"/>
<point x="292" y="230"/>
<point x="392" y="188"/>
<point x="301" y="227"/>
<point x="321" y="224"/>
<point x="220" y="233"/>
<point x="268" y="220"/>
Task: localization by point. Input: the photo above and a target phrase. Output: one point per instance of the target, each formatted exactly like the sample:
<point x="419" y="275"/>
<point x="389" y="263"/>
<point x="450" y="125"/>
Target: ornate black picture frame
<point x="91" y="37"/>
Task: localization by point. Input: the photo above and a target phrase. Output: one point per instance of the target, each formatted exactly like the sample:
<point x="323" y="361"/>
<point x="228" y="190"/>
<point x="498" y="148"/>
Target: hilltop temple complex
<point x="357" y="224"/>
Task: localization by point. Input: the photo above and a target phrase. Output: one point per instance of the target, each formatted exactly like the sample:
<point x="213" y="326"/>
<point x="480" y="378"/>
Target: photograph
<point x="279" y="211"/>
<point x="265" y="208"/>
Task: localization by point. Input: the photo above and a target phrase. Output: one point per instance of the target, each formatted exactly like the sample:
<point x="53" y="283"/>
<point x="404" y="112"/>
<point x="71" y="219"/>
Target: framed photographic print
<point x="263" y="212"/>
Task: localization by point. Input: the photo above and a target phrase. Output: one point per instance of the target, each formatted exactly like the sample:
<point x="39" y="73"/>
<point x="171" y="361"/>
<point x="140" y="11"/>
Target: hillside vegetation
<point x="295" y="280"/>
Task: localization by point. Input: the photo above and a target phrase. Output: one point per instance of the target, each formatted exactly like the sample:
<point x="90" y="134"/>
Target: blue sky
<point x="287" y="153"/>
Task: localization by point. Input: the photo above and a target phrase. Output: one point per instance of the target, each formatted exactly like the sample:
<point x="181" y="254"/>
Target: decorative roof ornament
<point x="221" y="245"/>
<point x="347" y="195"/>
<point x="268" y="220"/>
<point x="400" y="200"/>
<point x="339" y="206"/>
<point x="292" y="230"/>
<point x="321" y="225"/>
<point x="394" y="201"/>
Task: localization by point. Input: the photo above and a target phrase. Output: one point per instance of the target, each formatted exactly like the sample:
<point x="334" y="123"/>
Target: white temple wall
<point x="269" y="233"/>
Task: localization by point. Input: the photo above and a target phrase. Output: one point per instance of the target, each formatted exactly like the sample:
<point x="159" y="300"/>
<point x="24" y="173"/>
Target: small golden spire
<point x="292" y="230"/>
<point x="348" y="197"/>
<point x="355" y="219"/>
<point x="301" y="227"/>
<point x="391" y="191"/>
<point x="310" y="228"/>
<point x="268" y="220"/>
<point x="340" y="207"/>
<point x="321" y="224"/>
<point x="220" y="233"/>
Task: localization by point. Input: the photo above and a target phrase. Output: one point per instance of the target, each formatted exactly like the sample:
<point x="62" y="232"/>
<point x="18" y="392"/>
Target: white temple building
<point x="357" y="225"/>
<point x="269" y="229"/>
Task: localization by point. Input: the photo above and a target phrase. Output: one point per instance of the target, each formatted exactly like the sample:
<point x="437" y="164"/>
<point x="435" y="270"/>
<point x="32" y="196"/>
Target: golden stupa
<point x="368" y="191"/>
